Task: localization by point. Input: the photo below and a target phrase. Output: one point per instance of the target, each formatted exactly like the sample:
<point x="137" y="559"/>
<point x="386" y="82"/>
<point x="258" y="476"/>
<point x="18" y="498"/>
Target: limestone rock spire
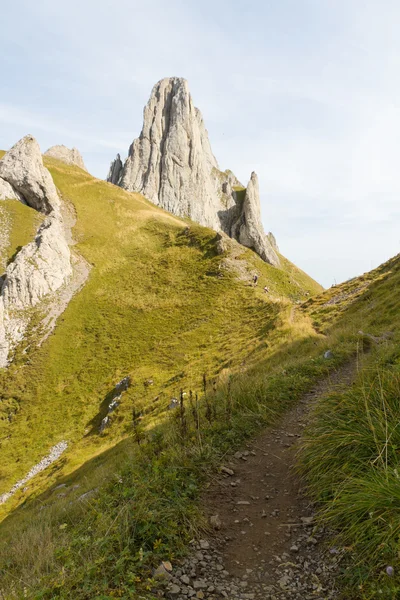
<point x="171" y="163"/>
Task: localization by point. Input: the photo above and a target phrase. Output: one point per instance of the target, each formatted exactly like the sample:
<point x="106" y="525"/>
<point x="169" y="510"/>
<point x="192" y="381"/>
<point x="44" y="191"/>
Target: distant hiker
<point x="255" y="279"/>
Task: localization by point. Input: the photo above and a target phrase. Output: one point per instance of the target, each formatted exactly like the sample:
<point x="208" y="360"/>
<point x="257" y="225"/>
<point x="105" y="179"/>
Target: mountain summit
<point x="172" y="164"/>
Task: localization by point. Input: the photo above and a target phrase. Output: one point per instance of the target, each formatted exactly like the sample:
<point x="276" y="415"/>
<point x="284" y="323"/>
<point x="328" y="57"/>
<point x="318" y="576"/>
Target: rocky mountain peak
<point x="70" y="156"/>
<point x="171" y="163"/>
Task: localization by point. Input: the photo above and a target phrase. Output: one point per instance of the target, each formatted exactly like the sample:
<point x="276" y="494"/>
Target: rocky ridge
<point x="42" y="266"/>
<point x="171" y="163"/>
<point x="70" y="156"/>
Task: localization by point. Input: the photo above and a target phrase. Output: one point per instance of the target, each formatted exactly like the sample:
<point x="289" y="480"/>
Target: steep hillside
<point x="173" y="306"/>
<point x="350" y="453"/>
<point x="160" y="304"/>
<point x="167" y="303"/>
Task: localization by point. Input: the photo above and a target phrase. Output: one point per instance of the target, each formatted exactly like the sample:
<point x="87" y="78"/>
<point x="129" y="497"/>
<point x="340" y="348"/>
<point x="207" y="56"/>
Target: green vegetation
<point x="156" y="306"/>
<point x="350" y="453"/>
<point x="161" y="304"/>
<point x="18" y="224"/>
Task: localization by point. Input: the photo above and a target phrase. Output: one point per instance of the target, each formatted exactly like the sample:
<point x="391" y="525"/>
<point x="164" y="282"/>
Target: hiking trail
<point x="268" y="545"/>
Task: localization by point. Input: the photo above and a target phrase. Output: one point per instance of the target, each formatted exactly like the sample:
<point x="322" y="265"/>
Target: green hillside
<point x="158" y="305"/>
<point x="163" y="306"/>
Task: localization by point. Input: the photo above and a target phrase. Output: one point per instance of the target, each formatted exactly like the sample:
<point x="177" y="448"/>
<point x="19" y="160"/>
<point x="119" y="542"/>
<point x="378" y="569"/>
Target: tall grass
<point x="351" y="457"/>
<point x="144" y="503"/>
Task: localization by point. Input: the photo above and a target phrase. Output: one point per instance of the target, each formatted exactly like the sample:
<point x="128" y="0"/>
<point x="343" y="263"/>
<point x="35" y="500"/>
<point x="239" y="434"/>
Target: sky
<point x="304" y="92"/>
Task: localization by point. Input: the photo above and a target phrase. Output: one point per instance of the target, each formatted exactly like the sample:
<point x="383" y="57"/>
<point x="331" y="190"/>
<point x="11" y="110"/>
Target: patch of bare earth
<point x="267" y="544"/>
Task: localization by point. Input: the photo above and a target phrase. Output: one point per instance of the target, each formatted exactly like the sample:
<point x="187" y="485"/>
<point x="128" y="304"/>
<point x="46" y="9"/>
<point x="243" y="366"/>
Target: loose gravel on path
<point x="267" y="544"/>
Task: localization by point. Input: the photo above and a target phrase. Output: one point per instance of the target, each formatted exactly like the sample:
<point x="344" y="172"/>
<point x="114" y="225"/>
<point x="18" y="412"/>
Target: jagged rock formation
<point x="114" y="173"/>
<point x="42" y="266"/>
<point x="22" y="167"/>
<point x="248" y="229"/>
<point x="172" y="164"/>
<point x="70" y="156"/>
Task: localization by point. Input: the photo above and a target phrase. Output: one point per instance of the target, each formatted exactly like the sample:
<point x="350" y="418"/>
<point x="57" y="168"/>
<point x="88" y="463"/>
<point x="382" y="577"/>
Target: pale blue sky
<point x="304" y="92"/>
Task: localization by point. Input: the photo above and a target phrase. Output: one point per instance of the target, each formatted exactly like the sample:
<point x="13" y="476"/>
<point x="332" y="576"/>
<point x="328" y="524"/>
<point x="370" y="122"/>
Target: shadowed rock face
<point x="172" y="164"/>
<point x="43" y="265"/>
<point x="114" y="173"/>
<point x="70" y="156"/>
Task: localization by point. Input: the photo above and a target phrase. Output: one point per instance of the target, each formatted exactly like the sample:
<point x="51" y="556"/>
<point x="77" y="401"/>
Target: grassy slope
<point x="144" y="503"/>
<point x="351" y="452"/>
<point x="153" y="308"/>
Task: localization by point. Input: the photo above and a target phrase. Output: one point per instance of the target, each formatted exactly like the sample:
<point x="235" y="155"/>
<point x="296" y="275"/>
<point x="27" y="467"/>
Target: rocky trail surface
<point x="267" y="544"/>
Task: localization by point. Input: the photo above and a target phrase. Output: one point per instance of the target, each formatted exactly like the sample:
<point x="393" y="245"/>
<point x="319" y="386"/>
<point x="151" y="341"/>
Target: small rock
<point x="227" y="471"/>
<point x="199" y="584"/>
<point x="307" y="520"/>
<point x="215" y="522"/>
<point x="312" y="540"/>
<point x="174" y="589"/>
<point x="204" y="545"/>
<point x="161" y="573"/>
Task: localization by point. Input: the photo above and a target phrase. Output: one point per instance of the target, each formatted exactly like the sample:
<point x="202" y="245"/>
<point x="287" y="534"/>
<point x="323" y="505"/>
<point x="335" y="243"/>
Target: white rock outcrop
<point x="22" y="167"/>
<point x="42" y="266"/>
<point x="171" y="163"/>
<point x="70" y="156"/>
<point x="39" y="268"/>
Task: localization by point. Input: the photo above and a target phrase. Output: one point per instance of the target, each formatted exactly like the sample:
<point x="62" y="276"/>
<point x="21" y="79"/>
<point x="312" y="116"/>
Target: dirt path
<point x="267" y="546"/>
